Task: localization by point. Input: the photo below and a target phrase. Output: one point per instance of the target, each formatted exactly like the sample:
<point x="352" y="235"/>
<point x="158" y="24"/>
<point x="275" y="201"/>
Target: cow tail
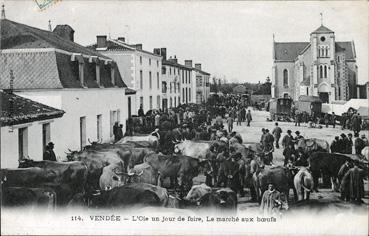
<point x="303" y="184"/>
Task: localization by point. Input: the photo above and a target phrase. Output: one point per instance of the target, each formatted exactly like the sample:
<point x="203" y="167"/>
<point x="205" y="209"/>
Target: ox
<point x="280" y="176"/>
<point x="129" y="195"/>
<point x="312" y="145"/>
<point x="304" y="183"/>
<point x="152" y="140"/>
<point x="184" y="168"/>
<point x="195" y="149"/>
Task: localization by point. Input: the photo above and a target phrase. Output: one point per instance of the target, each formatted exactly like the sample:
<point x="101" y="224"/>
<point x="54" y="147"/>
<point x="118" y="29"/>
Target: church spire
<point x="50" y="29"/>
<point x="3" y="12"/>
<point x="321" y="18"/>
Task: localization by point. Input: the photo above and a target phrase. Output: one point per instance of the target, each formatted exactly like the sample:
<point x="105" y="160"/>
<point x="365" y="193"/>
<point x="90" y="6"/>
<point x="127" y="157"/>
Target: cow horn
<point x="89" y="140"/>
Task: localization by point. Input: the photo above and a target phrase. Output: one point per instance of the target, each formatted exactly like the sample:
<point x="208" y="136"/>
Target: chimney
<point x="163" y="53"/>
<point x="157" y="51"/>
<point x="101" y="41"/>
<point x="123" y="39"/>
<point x="3" y="12"/>
<point x="198" y="66"/>
<point x="64" y="31"/>
<point x="138" y="46"/>
<point x="188" y="63"/>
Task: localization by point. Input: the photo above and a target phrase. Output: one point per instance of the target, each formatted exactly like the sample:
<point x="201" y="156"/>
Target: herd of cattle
<point x="131" y="173"/>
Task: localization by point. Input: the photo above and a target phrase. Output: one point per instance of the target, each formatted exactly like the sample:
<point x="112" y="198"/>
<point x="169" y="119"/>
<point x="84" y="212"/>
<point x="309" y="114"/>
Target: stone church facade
<point x="321" y="67"/>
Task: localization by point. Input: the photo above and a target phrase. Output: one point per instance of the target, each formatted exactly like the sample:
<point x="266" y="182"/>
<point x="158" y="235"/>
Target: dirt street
<point x="323" y="199"/>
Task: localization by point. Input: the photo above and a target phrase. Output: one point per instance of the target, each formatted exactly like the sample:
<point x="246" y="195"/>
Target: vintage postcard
<point x="184" y="117"/>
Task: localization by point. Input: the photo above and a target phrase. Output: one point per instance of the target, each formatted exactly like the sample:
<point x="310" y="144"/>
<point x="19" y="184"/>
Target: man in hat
<point x="268" y="146"/>
<point x="349" y="144"/>
<point x="262" y="138"/>
<point x="270" y="200"/>
<point x="298" y="136"/>
<point x="335" y="144"/>
<point x="352" y="184"/>
<point x="277" y="134"/>
<point x="248" y="117"/>
<point x="49" y="154"/>
<point x="365" y="140"/>
<point x="233" y="171"/>
<point x="287" y="139"/>
<point x="359" y="144"/>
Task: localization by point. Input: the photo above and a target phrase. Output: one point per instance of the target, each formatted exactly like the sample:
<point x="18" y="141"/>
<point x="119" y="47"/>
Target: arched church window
<point x="325" y="71"/>
<point x="285" y="77"/>
<point x="320" y="71"/>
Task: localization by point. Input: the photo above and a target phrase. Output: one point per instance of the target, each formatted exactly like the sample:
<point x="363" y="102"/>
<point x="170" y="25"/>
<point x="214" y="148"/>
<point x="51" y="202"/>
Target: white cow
<point x="304" y="184"/>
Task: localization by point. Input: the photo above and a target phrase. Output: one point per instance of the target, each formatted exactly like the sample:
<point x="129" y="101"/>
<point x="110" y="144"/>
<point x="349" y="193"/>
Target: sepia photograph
<point x="184" y="117"/>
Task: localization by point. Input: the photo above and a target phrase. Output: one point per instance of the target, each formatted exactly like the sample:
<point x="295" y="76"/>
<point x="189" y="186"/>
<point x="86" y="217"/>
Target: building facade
<point x="140" y="69"/>
<point x="51" y="69"/>
<point x="321" y="67"/>
<point x="202" y="84"/>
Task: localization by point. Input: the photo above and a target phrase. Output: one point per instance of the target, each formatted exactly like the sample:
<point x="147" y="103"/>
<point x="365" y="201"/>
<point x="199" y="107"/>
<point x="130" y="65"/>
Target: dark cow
<point x="131" y="195"/>
<point x="327" y="164"/>
<point x="184" y="168"/>
<point x="66" y="179"/>
<point x="25" y="196"/>
<point x="281" y="177"/>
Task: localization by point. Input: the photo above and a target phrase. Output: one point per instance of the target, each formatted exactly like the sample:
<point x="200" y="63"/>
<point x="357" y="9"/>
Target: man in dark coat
<point x="287" y="139"/>
<point x="248" y="117"/>
<point x="233" y="171"/>
<point x="349" y="144"/>
<point x="333" y="120"/>
<point x="335" y="145"/>
<point x="326" y="120"/>
<point x="359" y="144"/>
<point x="356" y="124"/>
<point x="141" y="111"/>
<point x="277" y="134"/>
<point x="49" y="154"/>
<point x="352" y="184"/>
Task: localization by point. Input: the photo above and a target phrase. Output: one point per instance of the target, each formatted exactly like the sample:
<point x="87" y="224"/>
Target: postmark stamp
<point x="43" y="4"/>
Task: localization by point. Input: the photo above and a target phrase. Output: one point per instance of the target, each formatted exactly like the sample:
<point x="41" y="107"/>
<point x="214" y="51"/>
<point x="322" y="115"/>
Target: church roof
<point x="288" y="51"/>
<point x="322" y="29"/>
<point x="348" y="48"/>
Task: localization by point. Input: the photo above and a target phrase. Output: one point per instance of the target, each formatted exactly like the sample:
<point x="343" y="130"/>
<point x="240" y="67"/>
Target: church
<point x="321" y="67"/>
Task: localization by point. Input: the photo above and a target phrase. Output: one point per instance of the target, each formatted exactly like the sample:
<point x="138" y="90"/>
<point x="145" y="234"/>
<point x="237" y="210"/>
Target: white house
<point x="20" y="119"/>
<point x="51" y="69"/>
<point x="140" y="69"/>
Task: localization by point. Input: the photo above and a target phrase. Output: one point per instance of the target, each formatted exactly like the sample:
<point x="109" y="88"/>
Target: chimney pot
<point x="123" y="39"/>
<point x="101" y="41"/>
<point x="138" y="46"/>
<point x="188" y="63"/>
<point x="163" y="53"/>
<point x="198" y="66"/>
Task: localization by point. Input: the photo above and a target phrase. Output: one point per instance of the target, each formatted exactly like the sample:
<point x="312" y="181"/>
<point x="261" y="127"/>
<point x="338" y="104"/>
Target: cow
<point x="304" y="183"/>
<point x="143" y="173"/>
<point x="312" y="145"/>
<point x="195" y="149"/>
<point x="151" y="140"/>
<point x="281" y="177"/>
<point x="27" y="196"/>
<point x="131" y="195"/>
<point x="96" y="161"/>
<point x="184" y="168"/>
<point x="66" y="179"/>
<point x="327" y="164"/>
<point x="202" y="196"/>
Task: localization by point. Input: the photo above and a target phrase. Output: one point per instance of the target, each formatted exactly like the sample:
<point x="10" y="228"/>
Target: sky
<point x="230" y="39"/>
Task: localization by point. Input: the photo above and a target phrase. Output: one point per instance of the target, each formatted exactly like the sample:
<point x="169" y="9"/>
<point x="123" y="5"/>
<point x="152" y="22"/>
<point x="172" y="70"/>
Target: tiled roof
<point x="322" y="29"/>
<point x="18" y="110"/>
<point x="288" y="51"/>
<point x="348" y="48"/>
<point x="172" y="63"/>
<point x="42" y="60"/>
<point x="16" y="35"/>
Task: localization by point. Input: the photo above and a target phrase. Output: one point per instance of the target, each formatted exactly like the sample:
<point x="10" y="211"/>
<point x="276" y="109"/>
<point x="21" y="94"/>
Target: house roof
<point x="322" y="29"/>
<point x="115" y="44"/>
<point x="172" y="63"/>
<point x="288" y="51"/>
<point x="20" y="36"/>
<point x="18" y="110"/>
<point x="42" y="60"/>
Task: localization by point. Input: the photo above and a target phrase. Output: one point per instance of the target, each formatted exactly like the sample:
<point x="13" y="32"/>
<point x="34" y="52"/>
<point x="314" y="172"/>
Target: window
<point x="339" y="92"/>
<point x="157" y="80"/>
<point x="163" y="70"/>
<point x="157" y="63"/>
<point x="140" y="60"/>
<point x="141" y="101"/>
<point x="99" y="127"/>
<point x="189" y="96"/>
<point x="183" y="75"/>
<point x="320" y="71"/>
<point x="338" y="74"/>
<point x="307" y="91"/>
<point x="97" y="71"/>
<point x="171" y="103"/>
<point x="158" y="102"/>
<point x="170" y="70"/>
<point x="285" y="77"/>
<point x="149" y="61"/>
<point x="23" y="143"/>
<point x="183" y="95"/>
<point x="338" y="59"/>
<point x="150" y="80"/>
<point x="82" y="131"/>
<point x="175" y="101"/>
<point x="150" y="102"/>
<point x="141" y="80"/>
<point x="45" y="135"/>
<point x="129" y="106"/>
<point x="189" y="77"/>
<point x="170" y="87"/>
<point x="186" y="95"/>
<point x="325" y="71"/>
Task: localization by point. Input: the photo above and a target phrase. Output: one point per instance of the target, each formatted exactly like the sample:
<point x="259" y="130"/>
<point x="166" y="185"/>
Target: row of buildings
<point x="55" y="90"/>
